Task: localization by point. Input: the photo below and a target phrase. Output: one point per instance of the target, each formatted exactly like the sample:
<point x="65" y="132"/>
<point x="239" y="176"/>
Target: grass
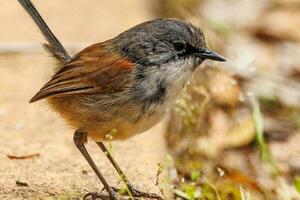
<point x="245" y="194"/>
<point x="125" y="189"/>
<point x="297" y="184"/>
<point x="264" y="150"/>
<point x="259" y="129"/>
<point x="193" y="184"/>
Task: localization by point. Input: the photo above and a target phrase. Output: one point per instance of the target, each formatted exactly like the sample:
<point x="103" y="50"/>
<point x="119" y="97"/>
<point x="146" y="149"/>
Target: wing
<point x="94" y="70"/>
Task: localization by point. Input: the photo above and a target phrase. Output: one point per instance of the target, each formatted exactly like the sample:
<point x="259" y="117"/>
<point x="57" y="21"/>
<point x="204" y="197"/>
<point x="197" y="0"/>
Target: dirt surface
<point x="59" y="172"/>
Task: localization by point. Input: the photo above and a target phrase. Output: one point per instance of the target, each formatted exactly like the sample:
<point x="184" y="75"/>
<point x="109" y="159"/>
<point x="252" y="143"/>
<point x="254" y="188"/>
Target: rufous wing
<point x="95" y="70"/>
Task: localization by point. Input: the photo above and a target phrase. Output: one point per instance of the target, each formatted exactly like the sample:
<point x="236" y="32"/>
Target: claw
<point x="95" y="196"/>
<point x="138" y="194"/>
<point x="100" y="196"/>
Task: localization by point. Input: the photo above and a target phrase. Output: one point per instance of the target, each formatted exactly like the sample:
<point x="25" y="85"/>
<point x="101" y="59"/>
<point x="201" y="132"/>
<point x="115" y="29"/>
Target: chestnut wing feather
<point x="92" y="71"/>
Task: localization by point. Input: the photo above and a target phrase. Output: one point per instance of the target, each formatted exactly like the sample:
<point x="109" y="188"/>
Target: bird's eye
<point x="179" y="46"/>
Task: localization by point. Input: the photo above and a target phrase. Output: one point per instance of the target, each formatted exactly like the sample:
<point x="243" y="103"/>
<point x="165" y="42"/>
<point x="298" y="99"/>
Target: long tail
<point x="53" y="45"/>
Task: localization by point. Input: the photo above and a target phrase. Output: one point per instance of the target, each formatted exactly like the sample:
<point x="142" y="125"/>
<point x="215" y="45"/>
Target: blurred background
<point x="234" y="134"/>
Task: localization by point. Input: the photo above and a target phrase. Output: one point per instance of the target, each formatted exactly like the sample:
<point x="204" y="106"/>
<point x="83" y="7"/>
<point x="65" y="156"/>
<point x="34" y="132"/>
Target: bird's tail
<point x="53" y="46"/>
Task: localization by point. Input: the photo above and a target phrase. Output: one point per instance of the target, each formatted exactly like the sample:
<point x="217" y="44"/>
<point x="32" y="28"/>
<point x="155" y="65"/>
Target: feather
<point x="94" y="70"/>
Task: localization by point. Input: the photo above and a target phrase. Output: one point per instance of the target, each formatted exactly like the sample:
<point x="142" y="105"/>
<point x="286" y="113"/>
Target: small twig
<point x="23" y="157"/>
<point x="159" y="172"/>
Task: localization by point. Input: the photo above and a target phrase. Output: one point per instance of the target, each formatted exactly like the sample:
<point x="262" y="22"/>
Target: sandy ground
<point x="60" y="172"/>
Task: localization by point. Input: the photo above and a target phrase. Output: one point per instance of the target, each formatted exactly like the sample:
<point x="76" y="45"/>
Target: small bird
<point x="122" y="86"/>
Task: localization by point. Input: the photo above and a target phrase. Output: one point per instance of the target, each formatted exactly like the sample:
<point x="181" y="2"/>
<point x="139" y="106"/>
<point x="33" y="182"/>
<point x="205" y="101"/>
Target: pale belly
<point x="114" y="123"/>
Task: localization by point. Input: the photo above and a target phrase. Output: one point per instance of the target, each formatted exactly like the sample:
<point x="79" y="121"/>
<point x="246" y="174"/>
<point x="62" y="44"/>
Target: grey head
<point x="166" y="52"/>
<point x="158" y="42"/>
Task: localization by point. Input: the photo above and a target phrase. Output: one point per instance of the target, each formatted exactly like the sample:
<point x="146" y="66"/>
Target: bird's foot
<point x="101" y="196"/>
<point x="136" y="193"/>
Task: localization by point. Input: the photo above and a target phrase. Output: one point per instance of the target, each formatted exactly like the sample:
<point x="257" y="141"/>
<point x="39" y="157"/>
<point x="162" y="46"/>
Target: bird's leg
<point x="79" y="139"/>
<point x="132" y="191"/>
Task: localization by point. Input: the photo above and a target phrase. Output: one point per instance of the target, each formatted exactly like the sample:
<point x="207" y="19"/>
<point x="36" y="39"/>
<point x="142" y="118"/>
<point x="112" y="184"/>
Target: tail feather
<point x="54" y="46"/>
<point x="61" y="59"/>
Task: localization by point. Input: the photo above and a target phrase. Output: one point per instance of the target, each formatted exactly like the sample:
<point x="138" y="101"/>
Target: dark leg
<point x="132" y="190"/>
<point x="79" y="139"/>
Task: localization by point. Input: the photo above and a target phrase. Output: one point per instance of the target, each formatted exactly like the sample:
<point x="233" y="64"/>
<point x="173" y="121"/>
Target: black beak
<point x="207" y="54"/>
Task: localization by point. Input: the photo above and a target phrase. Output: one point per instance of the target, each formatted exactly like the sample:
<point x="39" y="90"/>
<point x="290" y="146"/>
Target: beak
<point x="207" y="54"/>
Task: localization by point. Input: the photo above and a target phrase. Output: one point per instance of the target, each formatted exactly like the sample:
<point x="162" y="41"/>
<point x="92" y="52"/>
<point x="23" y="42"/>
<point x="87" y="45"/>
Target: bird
<point x="122" y="86"/>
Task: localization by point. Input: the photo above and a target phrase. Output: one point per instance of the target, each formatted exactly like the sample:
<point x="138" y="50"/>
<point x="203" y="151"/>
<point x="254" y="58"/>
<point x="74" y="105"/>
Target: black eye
<point x="179" y="46"/>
